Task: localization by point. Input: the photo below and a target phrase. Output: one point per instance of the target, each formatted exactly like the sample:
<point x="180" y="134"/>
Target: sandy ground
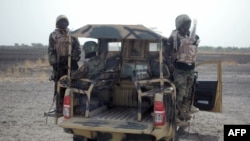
<point x="25" y="97"/>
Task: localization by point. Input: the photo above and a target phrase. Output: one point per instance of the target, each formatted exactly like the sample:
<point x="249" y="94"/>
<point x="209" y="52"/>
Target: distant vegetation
<point x="16" y="45"/>
<point x="224" y="49"/>
<point x="202" y="49"/>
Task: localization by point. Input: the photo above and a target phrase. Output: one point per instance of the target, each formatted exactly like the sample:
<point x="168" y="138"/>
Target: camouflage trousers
<point x="183" y="81"/>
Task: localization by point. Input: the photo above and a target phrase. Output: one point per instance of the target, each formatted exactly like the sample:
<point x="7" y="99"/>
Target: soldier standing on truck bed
<point x="58" y="51"/>
<point x="181" y="52"/>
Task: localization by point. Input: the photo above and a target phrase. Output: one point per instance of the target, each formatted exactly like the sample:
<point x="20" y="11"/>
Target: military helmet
<point x="180" y="20"/>
<point x="60" y="17"/>
<point x="90" y="46"/>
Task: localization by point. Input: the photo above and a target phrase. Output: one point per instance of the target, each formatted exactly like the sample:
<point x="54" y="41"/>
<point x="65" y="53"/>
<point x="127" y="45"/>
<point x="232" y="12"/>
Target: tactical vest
<point x="62" y="42"/>
<point x="186" y="52"/>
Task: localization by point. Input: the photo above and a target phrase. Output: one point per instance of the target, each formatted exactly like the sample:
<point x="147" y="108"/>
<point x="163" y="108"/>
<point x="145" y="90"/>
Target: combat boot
<point x="59" y="111"/>
<point x="184" y="114"/>
<point x="193" y="110"/>
<point x="188" y="116"/>
<point x="181" y="122"/>
<point x="59" y="108"/>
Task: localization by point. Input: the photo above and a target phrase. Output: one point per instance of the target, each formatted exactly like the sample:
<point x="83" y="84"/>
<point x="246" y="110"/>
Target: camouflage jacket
<point x="90" y="69"/>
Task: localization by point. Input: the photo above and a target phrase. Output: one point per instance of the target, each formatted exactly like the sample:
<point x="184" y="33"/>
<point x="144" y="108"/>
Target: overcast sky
<point x="219" y="22"/>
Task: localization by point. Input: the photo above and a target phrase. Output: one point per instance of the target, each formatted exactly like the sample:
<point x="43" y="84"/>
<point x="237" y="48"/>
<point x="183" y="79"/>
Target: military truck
<point x="133" y="98"/>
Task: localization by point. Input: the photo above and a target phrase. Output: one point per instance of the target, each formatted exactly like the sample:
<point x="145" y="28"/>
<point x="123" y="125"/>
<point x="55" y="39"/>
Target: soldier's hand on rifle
<point x="197" y="40"/>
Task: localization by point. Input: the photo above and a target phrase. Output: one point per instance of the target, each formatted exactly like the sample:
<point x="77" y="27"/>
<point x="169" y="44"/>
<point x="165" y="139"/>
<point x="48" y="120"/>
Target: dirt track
<point x="27" y="93"/>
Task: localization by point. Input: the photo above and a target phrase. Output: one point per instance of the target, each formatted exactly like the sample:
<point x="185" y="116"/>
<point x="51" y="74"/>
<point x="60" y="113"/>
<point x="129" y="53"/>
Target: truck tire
<point x="81" y="138"/>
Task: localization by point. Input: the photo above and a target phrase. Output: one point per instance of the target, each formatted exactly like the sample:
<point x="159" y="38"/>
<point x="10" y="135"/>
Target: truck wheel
<point x="81" y="138"/>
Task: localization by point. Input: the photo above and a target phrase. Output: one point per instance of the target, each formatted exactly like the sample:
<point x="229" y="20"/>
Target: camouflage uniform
<point x="59" y="41"/>
<point x="181" y="56"/>
<point x="58" y="51"/>
<point x="91" y="68"/>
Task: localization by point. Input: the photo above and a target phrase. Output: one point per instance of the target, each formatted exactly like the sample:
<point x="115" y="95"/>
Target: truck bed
<point x="117" y="119"/>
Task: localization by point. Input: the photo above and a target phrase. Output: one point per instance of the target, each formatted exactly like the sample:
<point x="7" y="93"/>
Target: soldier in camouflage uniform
<point x="94" y="63"/>
<point x="182" y="50"/>
<point x="59" y="41"/>
<point x="58" y="51"/>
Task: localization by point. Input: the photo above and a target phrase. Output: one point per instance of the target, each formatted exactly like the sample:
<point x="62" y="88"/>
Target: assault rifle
<point x="54" y="77"/>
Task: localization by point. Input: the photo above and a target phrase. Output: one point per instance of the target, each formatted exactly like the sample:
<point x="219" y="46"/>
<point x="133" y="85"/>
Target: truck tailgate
<point x="121" y="120"/>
